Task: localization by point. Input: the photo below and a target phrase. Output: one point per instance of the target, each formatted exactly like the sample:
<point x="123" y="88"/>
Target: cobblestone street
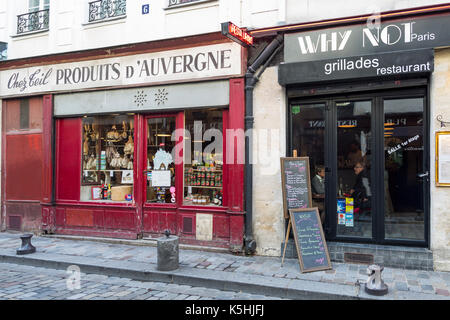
<point x="19" y="282"/>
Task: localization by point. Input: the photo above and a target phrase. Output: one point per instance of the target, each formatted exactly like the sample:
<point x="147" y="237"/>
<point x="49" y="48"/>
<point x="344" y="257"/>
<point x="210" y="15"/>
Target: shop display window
<point x="24" y="115"/>
<point x="107" y="158"/>
<point x="160" y="163"/>
<point x="203" y="158"/>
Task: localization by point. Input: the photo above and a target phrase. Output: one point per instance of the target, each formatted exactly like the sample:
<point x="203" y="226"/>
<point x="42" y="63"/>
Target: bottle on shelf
<point x="104" y="192"/>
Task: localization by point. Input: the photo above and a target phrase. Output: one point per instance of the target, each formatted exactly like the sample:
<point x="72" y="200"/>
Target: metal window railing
<point x="105" y="9"/>
<point x="177" y="2"/>
<point x="33" y="21"/>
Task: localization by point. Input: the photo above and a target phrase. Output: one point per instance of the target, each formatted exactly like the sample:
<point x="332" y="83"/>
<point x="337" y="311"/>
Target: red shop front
<point x="146" y="149"/>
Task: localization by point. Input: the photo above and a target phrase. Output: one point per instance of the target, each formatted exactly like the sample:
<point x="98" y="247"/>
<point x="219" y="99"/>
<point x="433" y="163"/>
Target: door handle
<point x="423" y="175"/>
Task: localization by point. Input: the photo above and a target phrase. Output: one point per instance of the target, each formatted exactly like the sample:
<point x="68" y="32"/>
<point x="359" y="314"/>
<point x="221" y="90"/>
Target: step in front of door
<point x="387" y="256"/>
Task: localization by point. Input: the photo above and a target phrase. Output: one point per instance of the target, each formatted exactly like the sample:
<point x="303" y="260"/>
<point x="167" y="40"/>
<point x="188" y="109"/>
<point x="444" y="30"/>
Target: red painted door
<point x="22" y="164"/>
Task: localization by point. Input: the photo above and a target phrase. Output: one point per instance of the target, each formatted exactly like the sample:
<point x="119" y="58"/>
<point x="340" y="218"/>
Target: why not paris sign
<point x="213" y="61"/>
<point x="368" y="38"/>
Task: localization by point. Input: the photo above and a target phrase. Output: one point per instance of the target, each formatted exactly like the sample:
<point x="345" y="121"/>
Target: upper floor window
<point x="36" y="19"/>
<point x="38" y="5"/>
<point x="3" y="51"/>
<point x="106" y="9"/>
<point x="174" y="3"/>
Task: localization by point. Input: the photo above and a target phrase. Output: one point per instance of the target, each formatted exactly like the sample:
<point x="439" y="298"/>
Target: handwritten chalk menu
<point x="296" y="184"/>
<point x="312" y="248"/>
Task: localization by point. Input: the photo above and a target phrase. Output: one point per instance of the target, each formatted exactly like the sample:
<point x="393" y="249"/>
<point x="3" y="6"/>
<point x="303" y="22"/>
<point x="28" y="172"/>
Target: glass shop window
<point x="160" y="163"/>
<point x="203" y="158"/>
<point x="37" y="5"/>
<point x="24" y="115"/>
<point x="107" y="158"/>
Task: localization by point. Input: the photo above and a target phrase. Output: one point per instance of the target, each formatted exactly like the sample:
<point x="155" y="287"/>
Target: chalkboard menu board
<point x="296" y="184"/>
<point x="312" y="248"/>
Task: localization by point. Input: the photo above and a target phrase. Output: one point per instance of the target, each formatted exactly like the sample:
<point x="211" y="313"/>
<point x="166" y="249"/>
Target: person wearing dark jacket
<point x="361" y="192"/>
<point x="317" y="183"/>
<point x="318" y="191"/>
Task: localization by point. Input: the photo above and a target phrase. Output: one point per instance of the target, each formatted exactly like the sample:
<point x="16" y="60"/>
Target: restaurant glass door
<point x="372" y="149"/>
<point x="308" y="139"/>
<point x="405" y="171"/>
<point x="354" y="168"/>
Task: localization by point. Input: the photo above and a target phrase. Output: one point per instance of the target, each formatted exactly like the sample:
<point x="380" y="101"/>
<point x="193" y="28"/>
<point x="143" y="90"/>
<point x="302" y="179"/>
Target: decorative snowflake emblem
<point x="140" y="98"/>
<point x="161" y="96"/>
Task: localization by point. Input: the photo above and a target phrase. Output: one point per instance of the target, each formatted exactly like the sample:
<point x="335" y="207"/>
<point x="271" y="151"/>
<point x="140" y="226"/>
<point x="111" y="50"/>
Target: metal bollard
<point x="375" y="285"/>
<point x="168" y="252"/>
<point x="27" y="247"/>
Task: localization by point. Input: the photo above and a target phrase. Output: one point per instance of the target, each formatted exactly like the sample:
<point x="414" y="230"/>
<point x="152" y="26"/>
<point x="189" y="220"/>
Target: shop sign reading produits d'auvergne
<point x="363" y="50"/>
<point x="204" y="62"/>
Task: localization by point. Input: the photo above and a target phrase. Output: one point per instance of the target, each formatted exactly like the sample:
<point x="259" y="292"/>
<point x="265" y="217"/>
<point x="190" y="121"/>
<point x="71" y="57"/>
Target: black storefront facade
<point x="358" y="105"/>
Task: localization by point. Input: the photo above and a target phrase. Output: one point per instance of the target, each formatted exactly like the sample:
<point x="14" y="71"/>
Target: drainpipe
<point x="251" y="78"/>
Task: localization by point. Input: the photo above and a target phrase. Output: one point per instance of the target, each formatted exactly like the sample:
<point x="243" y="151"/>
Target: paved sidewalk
<point x="137" y="259"/>
<point x="22" y="282"/>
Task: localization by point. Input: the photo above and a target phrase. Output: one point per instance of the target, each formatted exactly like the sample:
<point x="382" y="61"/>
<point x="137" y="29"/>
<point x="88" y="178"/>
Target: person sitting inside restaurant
<point x="361" y="192"/>
<point x="355" y="155"/>
<point x="317" y="183"/>
<point x="318" y="190"/>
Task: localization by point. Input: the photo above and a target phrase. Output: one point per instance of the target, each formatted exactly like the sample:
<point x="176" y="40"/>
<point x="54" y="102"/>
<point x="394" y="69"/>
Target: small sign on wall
<point x="204" y="227"/>
<point x="443" y="158"/>
<point x="145" y="8"/>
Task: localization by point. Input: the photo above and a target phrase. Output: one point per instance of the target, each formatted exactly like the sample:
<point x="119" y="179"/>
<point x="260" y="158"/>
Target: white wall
<point x="439" y="196"/>
<point x="4" y="21"/>
<point x="269" y="144"/>
<point x="70" y="31"/>
<point x="279" y="12"/>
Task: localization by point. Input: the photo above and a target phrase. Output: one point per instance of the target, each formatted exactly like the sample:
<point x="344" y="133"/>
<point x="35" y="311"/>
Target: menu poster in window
<point x="443" y="158"/>
<point x="127" y="176"/>
<point x="341" y="204"/>
<point x="310" y="241"/>
<point x="295" y="183"/>
<point x="161" y="178"/>
<point x="96" y="193"/>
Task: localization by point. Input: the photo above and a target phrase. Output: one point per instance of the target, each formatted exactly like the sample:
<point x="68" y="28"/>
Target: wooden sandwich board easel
<point x="285" y="205"/>
<point x="312" y="250"/>
<point x="288" y="231"/>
